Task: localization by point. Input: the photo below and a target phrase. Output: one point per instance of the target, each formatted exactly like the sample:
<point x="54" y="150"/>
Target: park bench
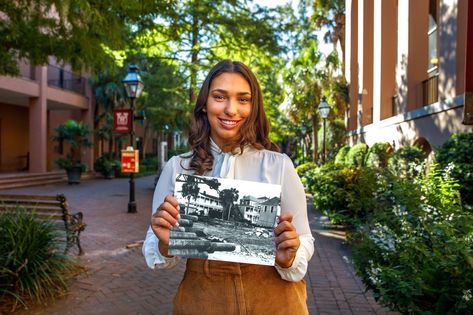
<point x="52" y="208"/>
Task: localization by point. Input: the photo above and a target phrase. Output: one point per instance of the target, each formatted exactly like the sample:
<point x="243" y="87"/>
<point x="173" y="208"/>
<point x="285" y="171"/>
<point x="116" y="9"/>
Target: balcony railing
<point x="66" y="80"/>
<point x="430" y="90"/>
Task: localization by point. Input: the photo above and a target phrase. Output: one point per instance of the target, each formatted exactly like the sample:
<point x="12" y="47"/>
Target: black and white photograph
<point x="225" y="219"/>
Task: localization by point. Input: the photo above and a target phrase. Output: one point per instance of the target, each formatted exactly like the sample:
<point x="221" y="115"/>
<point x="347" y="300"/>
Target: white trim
<point x="427" y="110"/>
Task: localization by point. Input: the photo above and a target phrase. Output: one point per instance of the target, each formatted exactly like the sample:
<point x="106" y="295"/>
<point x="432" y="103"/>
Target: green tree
<point x="109" y="95"/>
<point x="78" y="32"/>
<point x="303" y="81"/>
<point x="198" y="32"/>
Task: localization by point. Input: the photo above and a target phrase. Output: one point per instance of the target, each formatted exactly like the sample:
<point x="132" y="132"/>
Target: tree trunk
<point x="194" y="59"/>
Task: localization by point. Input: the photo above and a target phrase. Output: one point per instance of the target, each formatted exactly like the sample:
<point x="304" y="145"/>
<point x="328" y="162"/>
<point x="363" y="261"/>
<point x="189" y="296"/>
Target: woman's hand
<point x="287" y="241"/>
<point x="163" y="220"/>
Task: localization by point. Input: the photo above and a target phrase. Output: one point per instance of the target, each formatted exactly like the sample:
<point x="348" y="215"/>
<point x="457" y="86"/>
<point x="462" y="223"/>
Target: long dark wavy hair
<point x="254" y="131"/>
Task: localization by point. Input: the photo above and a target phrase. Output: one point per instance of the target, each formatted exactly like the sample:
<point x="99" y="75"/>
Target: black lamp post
<point x="134" y="87"/>
<point x="324" y="109"/>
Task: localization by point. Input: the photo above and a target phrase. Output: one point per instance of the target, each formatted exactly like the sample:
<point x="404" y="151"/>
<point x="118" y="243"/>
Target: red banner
<point x="122" y="120"/>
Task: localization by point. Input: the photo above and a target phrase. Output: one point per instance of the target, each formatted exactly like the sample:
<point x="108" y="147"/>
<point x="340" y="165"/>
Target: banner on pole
<point x="122" y="120"/>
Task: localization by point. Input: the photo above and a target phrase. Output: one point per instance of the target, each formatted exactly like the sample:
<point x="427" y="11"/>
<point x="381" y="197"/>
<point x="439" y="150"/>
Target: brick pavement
<point x="118" y="281"/>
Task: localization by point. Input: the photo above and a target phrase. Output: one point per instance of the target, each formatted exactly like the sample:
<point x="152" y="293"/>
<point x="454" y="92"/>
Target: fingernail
<point x="178" y="216"/>
<point x="177" y="224"/>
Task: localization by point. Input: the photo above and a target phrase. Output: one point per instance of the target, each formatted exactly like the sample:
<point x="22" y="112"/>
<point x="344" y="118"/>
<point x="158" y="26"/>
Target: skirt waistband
<point x="214" y="267"/>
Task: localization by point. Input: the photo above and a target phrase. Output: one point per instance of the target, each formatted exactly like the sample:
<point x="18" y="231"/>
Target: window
<point x="432" y="35"/>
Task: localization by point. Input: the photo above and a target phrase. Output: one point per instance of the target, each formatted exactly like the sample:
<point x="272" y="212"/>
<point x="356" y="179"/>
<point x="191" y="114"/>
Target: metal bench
<point x="47" y="207"/>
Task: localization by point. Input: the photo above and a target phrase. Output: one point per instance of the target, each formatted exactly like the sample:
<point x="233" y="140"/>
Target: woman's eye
<point x="219" y="97"/>
<point x="244" y="100"/>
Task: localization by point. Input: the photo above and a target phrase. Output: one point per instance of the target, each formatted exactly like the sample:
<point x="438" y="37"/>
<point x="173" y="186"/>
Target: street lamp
<point x="134" y="87"/>
<point x="324" y="109"/>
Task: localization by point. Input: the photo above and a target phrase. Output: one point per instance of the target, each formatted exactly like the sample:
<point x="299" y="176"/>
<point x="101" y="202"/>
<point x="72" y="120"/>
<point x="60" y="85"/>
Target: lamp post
<point x="324" y="109"/>
<point x="134" y="87"/>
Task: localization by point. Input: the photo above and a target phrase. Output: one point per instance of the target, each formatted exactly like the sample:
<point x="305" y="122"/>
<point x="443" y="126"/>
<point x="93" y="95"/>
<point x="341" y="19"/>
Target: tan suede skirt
<point x="215" y="287"/>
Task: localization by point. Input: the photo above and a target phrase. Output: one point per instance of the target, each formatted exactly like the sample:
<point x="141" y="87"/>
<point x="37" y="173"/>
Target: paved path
<point x="118" y="281"/>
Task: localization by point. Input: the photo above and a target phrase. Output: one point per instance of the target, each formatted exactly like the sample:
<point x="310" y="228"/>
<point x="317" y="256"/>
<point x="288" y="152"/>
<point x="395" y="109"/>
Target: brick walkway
<point x="118" y="281"/>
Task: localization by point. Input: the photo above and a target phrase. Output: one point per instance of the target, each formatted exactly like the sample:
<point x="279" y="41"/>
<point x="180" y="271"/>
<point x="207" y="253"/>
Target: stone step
<point x="10" y="181"/>
<point x="14" y="185"/>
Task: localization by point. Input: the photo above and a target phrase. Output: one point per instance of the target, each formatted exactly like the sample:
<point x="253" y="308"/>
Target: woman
<point x="229" y="139"/>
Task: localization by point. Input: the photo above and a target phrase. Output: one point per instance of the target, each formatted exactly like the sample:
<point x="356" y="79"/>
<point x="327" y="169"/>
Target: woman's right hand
<point x="165" y="218"/>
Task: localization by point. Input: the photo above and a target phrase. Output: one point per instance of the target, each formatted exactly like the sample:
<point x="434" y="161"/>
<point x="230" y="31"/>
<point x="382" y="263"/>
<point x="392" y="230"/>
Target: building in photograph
<point x="204" y="203"/>
<point x="259" y="211"/>
<point x="409" y="66"/>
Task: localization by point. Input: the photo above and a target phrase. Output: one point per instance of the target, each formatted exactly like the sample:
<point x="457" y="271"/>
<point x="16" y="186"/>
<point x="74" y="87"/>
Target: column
<point x="351" y="60"/>
<point x="365" y="61"/>
<point x="38" y="131"/>
<point x="384" y="58"/>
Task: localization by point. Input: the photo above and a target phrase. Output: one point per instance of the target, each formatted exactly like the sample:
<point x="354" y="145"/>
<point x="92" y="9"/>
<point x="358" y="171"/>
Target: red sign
<point x="130" y="161"/>
<point x="122" y="120"/>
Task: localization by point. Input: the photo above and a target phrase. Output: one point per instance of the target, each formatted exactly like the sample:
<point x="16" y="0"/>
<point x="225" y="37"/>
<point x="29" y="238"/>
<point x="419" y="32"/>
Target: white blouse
<point x="253" y="165"/>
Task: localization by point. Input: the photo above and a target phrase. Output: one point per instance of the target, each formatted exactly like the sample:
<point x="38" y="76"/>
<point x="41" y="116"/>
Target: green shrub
<point x="458" y="151"/>
<point x="417" y="254"/>
<point x="378" y="154"/>
<point x="341" y="156"/>
<point x="406" y="161"/>
<point x="303" y="168"/>
<point x="32" y="266"/>
<point x="328" y="184"/>
<point x="356" y="155"/>
<point x="150" y="163"/>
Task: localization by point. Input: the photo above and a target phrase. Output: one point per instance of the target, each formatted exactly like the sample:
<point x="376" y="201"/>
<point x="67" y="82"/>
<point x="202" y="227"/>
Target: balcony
<point x="66" y="80"/>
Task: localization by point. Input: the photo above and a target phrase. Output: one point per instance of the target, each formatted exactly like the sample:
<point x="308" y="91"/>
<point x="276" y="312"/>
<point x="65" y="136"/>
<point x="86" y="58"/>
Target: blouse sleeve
<point x="293" y="199"/>
<point x="150" y="249"/>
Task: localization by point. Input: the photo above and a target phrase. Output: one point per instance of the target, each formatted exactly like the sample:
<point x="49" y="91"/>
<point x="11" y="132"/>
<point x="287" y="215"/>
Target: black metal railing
<point x="66" y="80"/>
<point x="430" y="90"/>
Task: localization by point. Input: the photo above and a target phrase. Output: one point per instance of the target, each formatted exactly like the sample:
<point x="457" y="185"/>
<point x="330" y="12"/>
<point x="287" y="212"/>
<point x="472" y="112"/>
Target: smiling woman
<point x="229" y="139"/>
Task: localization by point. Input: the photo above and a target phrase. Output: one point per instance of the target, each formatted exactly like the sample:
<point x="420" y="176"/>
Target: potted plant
<point x="106" y="166"/>
<point x="76" y="136"/>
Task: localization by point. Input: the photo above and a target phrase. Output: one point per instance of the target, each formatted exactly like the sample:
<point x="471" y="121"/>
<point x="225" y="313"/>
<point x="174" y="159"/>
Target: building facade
<point x="32" y="105"/>
<point x="409" y="66"/>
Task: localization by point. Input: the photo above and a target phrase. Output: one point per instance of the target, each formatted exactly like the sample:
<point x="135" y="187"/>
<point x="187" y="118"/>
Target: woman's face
<point x="228" y="106"/>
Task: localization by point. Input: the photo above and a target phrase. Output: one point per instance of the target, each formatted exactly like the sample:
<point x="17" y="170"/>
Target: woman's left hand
<point x="287" y="241"/>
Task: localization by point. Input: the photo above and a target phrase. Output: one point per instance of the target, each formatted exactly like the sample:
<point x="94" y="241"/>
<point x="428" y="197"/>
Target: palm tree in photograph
<point x="190" y="189"/>
<point x="227" y="198"/>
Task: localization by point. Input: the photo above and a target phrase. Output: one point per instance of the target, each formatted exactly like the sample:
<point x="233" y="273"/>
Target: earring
<point x="204" y="110"/>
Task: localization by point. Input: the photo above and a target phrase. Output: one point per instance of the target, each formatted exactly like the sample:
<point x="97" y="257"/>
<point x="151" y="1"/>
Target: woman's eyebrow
<point x="226" y="92"/>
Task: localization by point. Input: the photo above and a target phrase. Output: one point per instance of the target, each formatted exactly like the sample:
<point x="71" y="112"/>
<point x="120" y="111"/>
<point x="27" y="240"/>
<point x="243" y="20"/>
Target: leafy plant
<point x="105" y="166"/>
<point x="356" y="155"/>
<point x="379" y="154"/>
<point x="457" y="154"/>
<point x="32" y="264"/>
<point x="416" y="254"/>
<point x="76" y="136"/>
<point x="340" y="157"/>
<point x="406" y="160"/>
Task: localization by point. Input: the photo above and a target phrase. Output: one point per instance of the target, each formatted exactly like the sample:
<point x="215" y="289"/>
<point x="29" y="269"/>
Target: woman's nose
<point x="231" y="107"/>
